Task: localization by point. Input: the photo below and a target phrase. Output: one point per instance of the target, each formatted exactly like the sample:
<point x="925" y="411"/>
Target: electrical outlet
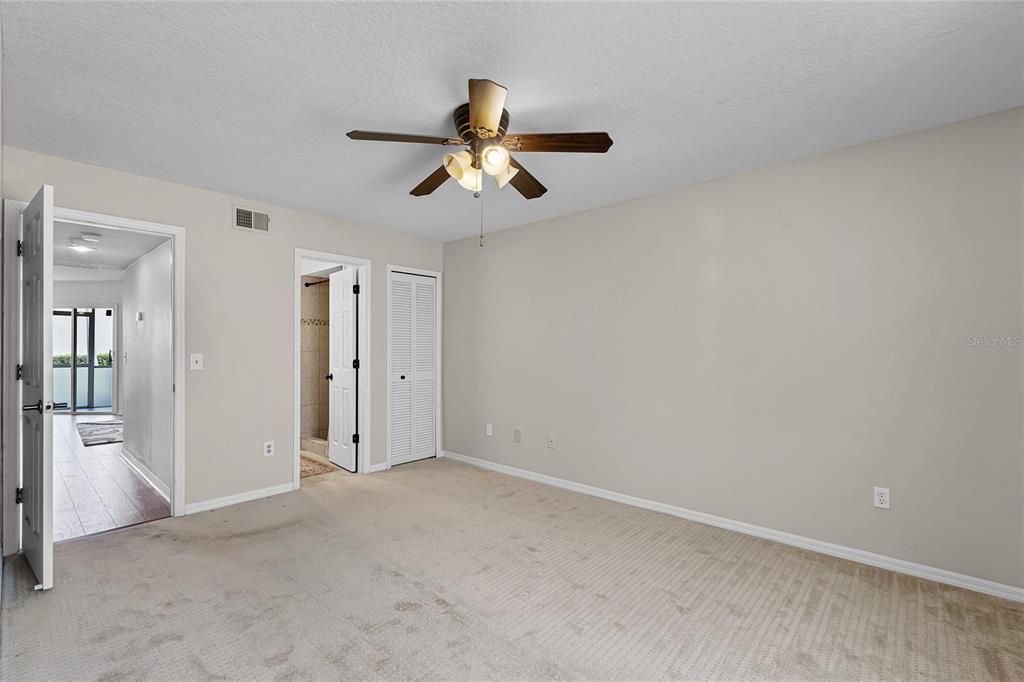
<point x="881" y="497"/>
<point x="517" y="436"/>
<point x="268" y="448"/>
<point x="551" y="442"/>
<point x="489" y="430"/>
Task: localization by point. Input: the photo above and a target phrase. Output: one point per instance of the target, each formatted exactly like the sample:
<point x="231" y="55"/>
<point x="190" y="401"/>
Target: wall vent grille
<point x="252" y="221"/>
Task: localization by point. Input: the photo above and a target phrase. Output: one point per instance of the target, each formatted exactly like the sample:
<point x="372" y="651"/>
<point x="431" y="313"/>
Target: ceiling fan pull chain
<point x="477" y="196"/>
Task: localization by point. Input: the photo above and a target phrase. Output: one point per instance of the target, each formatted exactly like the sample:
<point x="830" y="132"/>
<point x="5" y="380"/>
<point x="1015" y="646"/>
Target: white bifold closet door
<point x="413" y="381"/>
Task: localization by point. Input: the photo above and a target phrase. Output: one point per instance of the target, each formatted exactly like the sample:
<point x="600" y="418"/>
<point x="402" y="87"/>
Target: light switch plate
<point x="196" y="361"/>
<point x="489" y="430"/>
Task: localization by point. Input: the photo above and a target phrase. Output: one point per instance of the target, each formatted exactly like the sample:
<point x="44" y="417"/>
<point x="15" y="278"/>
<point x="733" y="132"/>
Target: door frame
<point x="11" y="408"/>
<point x="363" y="394"/>
<point x="438" y="374"/>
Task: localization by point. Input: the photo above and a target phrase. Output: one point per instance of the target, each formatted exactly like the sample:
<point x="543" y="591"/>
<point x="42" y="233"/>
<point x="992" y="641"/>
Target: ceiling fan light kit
<point x="481" y="125"/>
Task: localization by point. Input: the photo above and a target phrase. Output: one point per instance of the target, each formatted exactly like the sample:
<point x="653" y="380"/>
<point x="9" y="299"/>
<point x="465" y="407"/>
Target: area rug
<point x="101" y="433"/>
<point x="311" y="467"/>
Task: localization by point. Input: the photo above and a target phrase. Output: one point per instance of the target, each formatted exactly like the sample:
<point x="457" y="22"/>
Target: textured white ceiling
<point x="254" y="99"/>
<point x="116" y="249"/>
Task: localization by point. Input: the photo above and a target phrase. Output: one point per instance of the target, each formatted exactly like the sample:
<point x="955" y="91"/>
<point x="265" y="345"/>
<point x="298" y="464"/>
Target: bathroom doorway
<point x="332" y="311"/>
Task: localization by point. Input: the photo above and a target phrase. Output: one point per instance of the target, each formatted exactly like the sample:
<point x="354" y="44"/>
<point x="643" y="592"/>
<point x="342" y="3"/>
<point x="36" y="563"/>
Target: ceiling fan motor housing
<point x="467" y="134"/>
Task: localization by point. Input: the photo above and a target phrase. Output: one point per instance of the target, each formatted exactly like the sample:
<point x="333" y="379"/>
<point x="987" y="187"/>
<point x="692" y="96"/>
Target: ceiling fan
<point x="481" y="125"/>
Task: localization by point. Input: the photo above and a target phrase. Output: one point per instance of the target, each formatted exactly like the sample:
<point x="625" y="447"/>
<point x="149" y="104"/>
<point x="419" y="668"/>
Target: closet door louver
<point x="413" y="381"/>
<point x="424" y="359"/>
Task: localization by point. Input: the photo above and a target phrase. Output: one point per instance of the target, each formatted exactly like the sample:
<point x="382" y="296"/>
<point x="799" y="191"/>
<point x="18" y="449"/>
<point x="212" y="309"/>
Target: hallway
<point x="93" y="488"/>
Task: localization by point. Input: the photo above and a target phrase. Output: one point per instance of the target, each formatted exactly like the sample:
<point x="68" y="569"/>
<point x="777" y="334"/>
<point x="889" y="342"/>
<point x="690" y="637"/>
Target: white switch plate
<point x="881" y="497"/>
<point x="268" y="448"/>
<point x="551" y="442"/>
<point x="517" y="436"/>
<point x="489" y="430"/>
<point x="196" y="361"/>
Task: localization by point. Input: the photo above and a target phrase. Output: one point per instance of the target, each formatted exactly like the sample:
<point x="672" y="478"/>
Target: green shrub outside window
<point x="102" y="360"/>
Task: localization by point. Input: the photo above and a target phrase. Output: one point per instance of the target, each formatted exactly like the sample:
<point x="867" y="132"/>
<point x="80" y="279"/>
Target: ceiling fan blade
<point x="486" y="102"/>
<point x="591" y="143"/>
<point x="527" y="185"/>
<point x="400" y="137"/>
<point x="432" y="182"/>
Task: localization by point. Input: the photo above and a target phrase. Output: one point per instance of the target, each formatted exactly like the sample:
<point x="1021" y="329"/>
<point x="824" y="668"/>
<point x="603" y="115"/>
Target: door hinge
<point x="355" y="365"/>
<point x="355" y="437"/>
<point x="19" y="495"/>
<point x="21" y="248"/>
<point x="20" y="372"/>
<point x="355" y="287"/>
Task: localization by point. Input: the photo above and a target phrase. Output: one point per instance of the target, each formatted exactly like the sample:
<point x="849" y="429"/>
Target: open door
<point x="37" y="386"/>
<point x="342" y="359"/>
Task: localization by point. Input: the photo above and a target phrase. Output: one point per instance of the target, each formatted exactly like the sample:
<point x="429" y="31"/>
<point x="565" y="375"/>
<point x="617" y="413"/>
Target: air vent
<point x="252" y="221"/>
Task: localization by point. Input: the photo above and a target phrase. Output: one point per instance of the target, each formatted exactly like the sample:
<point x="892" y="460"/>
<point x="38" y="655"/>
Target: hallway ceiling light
<point x="90" y="237"/>
<point x="80" y="247"/>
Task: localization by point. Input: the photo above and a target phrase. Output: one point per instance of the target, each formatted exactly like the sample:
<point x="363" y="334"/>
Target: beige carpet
<point x="439" y="570"/>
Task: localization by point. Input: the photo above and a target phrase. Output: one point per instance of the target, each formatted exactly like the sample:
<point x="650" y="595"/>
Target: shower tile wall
<point x="314" y="361"/>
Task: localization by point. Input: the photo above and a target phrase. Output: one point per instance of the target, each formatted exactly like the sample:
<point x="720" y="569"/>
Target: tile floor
<point x="93" y="489"/>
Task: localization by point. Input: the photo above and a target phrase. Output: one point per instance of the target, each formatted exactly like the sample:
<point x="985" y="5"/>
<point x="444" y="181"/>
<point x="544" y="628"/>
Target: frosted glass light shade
<point x="458" y="163"/>
<point x="494" y="160"/>
<point x="503" y="177"/>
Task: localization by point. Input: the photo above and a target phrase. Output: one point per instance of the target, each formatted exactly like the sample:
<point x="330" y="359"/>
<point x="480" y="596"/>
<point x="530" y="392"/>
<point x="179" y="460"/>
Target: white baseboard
<point x="939" y="575"/>
<point x="136" y="465"/>
<point x="218" y="502"/>
<point x="374" y="468"/>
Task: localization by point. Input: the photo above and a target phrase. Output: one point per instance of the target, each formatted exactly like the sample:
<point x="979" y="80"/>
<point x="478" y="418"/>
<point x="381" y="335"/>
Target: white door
<point x="37" y="386"/>
<point x="342" y="377"/>
<point x="413" y="381"/>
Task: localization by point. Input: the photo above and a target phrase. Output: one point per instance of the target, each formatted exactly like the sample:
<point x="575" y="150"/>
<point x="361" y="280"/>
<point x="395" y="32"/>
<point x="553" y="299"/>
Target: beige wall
<point x="83" y="294"/>
<point x="146" y="359"/>
<point x="769" y="346"/>
<point x="239" y="313"/>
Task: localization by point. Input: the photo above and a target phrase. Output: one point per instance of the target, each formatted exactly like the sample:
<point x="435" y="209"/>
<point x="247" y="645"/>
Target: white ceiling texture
<point x="254" y="99"/>
<point x="111" y="250"/>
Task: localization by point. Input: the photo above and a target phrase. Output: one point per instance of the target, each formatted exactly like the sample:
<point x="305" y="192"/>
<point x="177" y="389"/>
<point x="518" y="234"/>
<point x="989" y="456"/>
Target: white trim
<point x="939" y="575"/>
<point x="365" y="318"/>
<point x="100" y="220"/>
<point x="248" y="496"/>
<point x="11" y="387"/>
<point x="136" y="465"/>
<point x="438" y="372"/>
<point x="374" y="468"/>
